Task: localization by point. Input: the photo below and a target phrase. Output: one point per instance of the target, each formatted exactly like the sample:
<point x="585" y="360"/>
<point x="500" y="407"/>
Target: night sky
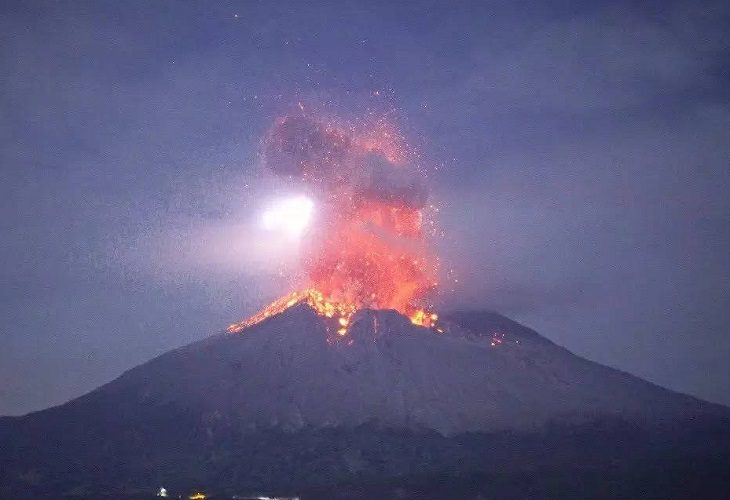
<point x="579" y="152"/>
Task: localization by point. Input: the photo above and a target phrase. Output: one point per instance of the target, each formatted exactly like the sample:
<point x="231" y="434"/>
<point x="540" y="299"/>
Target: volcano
<point x="289" y="405"/>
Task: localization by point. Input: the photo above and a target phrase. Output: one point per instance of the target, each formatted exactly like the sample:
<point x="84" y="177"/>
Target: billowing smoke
<point x="303" y="148"/>
<point x="336" y="159"/>
<point x="368" y="246"/>
<point x="380" y="180"/>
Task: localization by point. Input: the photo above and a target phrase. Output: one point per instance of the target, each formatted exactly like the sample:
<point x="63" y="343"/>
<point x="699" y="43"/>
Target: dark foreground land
<point x="605" y="459"/>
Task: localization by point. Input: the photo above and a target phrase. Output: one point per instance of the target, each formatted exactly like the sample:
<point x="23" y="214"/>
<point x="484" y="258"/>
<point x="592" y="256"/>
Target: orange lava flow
<point x="342" y="312"/>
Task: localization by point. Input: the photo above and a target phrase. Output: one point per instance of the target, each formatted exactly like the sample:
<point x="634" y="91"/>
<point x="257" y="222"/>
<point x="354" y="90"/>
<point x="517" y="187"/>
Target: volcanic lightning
<point x="291" y="215"/>
<point x="368" y="247"/>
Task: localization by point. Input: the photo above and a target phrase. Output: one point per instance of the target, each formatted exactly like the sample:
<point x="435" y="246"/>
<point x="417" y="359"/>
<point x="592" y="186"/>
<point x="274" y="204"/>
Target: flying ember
<point x="368" y="247"/>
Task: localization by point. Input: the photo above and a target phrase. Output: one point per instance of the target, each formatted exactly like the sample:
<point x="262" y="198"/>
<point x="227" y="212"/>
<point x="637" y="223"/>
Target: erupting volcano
<point x="368" y="247"/>
<point x="351" y="378"/>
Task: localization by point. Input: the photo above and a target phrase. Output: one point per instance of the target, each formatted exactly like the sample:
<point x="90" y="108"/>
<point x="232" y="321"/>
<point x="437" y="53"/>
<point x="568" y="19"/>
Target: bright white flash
<point x="290" y="215"/>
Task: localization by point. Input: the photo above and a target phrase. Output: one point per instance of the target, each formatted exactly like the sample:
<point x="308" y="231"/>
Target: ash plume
<point x="369" y="243"/>
<point x="334" y="159"/>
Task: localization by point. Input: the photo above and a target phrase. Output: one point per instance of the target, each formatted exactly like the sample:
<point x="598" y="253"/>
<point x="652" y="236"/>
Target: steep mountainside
<point x="287" y="372"/>
<point x="288" y="403"/>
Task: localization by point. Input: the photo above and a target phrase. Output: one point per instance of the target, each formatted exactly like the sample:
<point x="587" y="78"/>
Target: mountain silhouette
<point x="389" y="409"/>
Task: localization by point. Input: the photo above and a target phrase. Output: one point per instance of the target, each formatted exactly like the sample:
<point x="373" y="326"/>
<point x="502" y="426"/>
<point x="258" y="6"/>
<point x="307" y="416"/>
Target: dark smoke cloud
<point x="329" y="158"/>
<point x="301" y="147"/>
<point x="382" y="181"/>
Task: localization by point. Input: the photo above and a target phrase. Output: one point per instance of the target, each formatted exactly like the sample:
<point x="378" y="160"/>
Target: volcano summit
<point x="288" y="405"/>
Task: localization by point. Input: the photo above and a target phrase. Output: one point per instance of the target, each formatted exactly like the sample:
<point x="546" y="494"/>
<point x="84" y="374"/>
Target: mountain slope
<point x="284" y="373"/>
<point x="286" y="402"/>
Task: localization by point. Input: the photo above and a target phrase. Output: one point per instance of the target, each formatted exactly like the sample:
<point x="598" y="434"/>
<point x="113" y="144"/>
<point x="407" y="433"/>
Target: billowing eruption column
<point x="367" y="248"/>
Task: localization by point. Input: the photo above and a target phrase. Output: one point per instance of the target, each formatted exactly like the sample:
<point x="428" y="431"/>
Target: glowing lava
<point x="368" y="246"/>
<point x="341" y="312"/>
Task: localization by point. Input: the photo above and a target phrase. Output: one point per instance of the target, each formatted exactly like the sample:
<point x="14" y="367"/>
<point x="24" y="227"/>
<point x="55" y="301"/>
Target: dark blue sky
<point x="582" y="153"/>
